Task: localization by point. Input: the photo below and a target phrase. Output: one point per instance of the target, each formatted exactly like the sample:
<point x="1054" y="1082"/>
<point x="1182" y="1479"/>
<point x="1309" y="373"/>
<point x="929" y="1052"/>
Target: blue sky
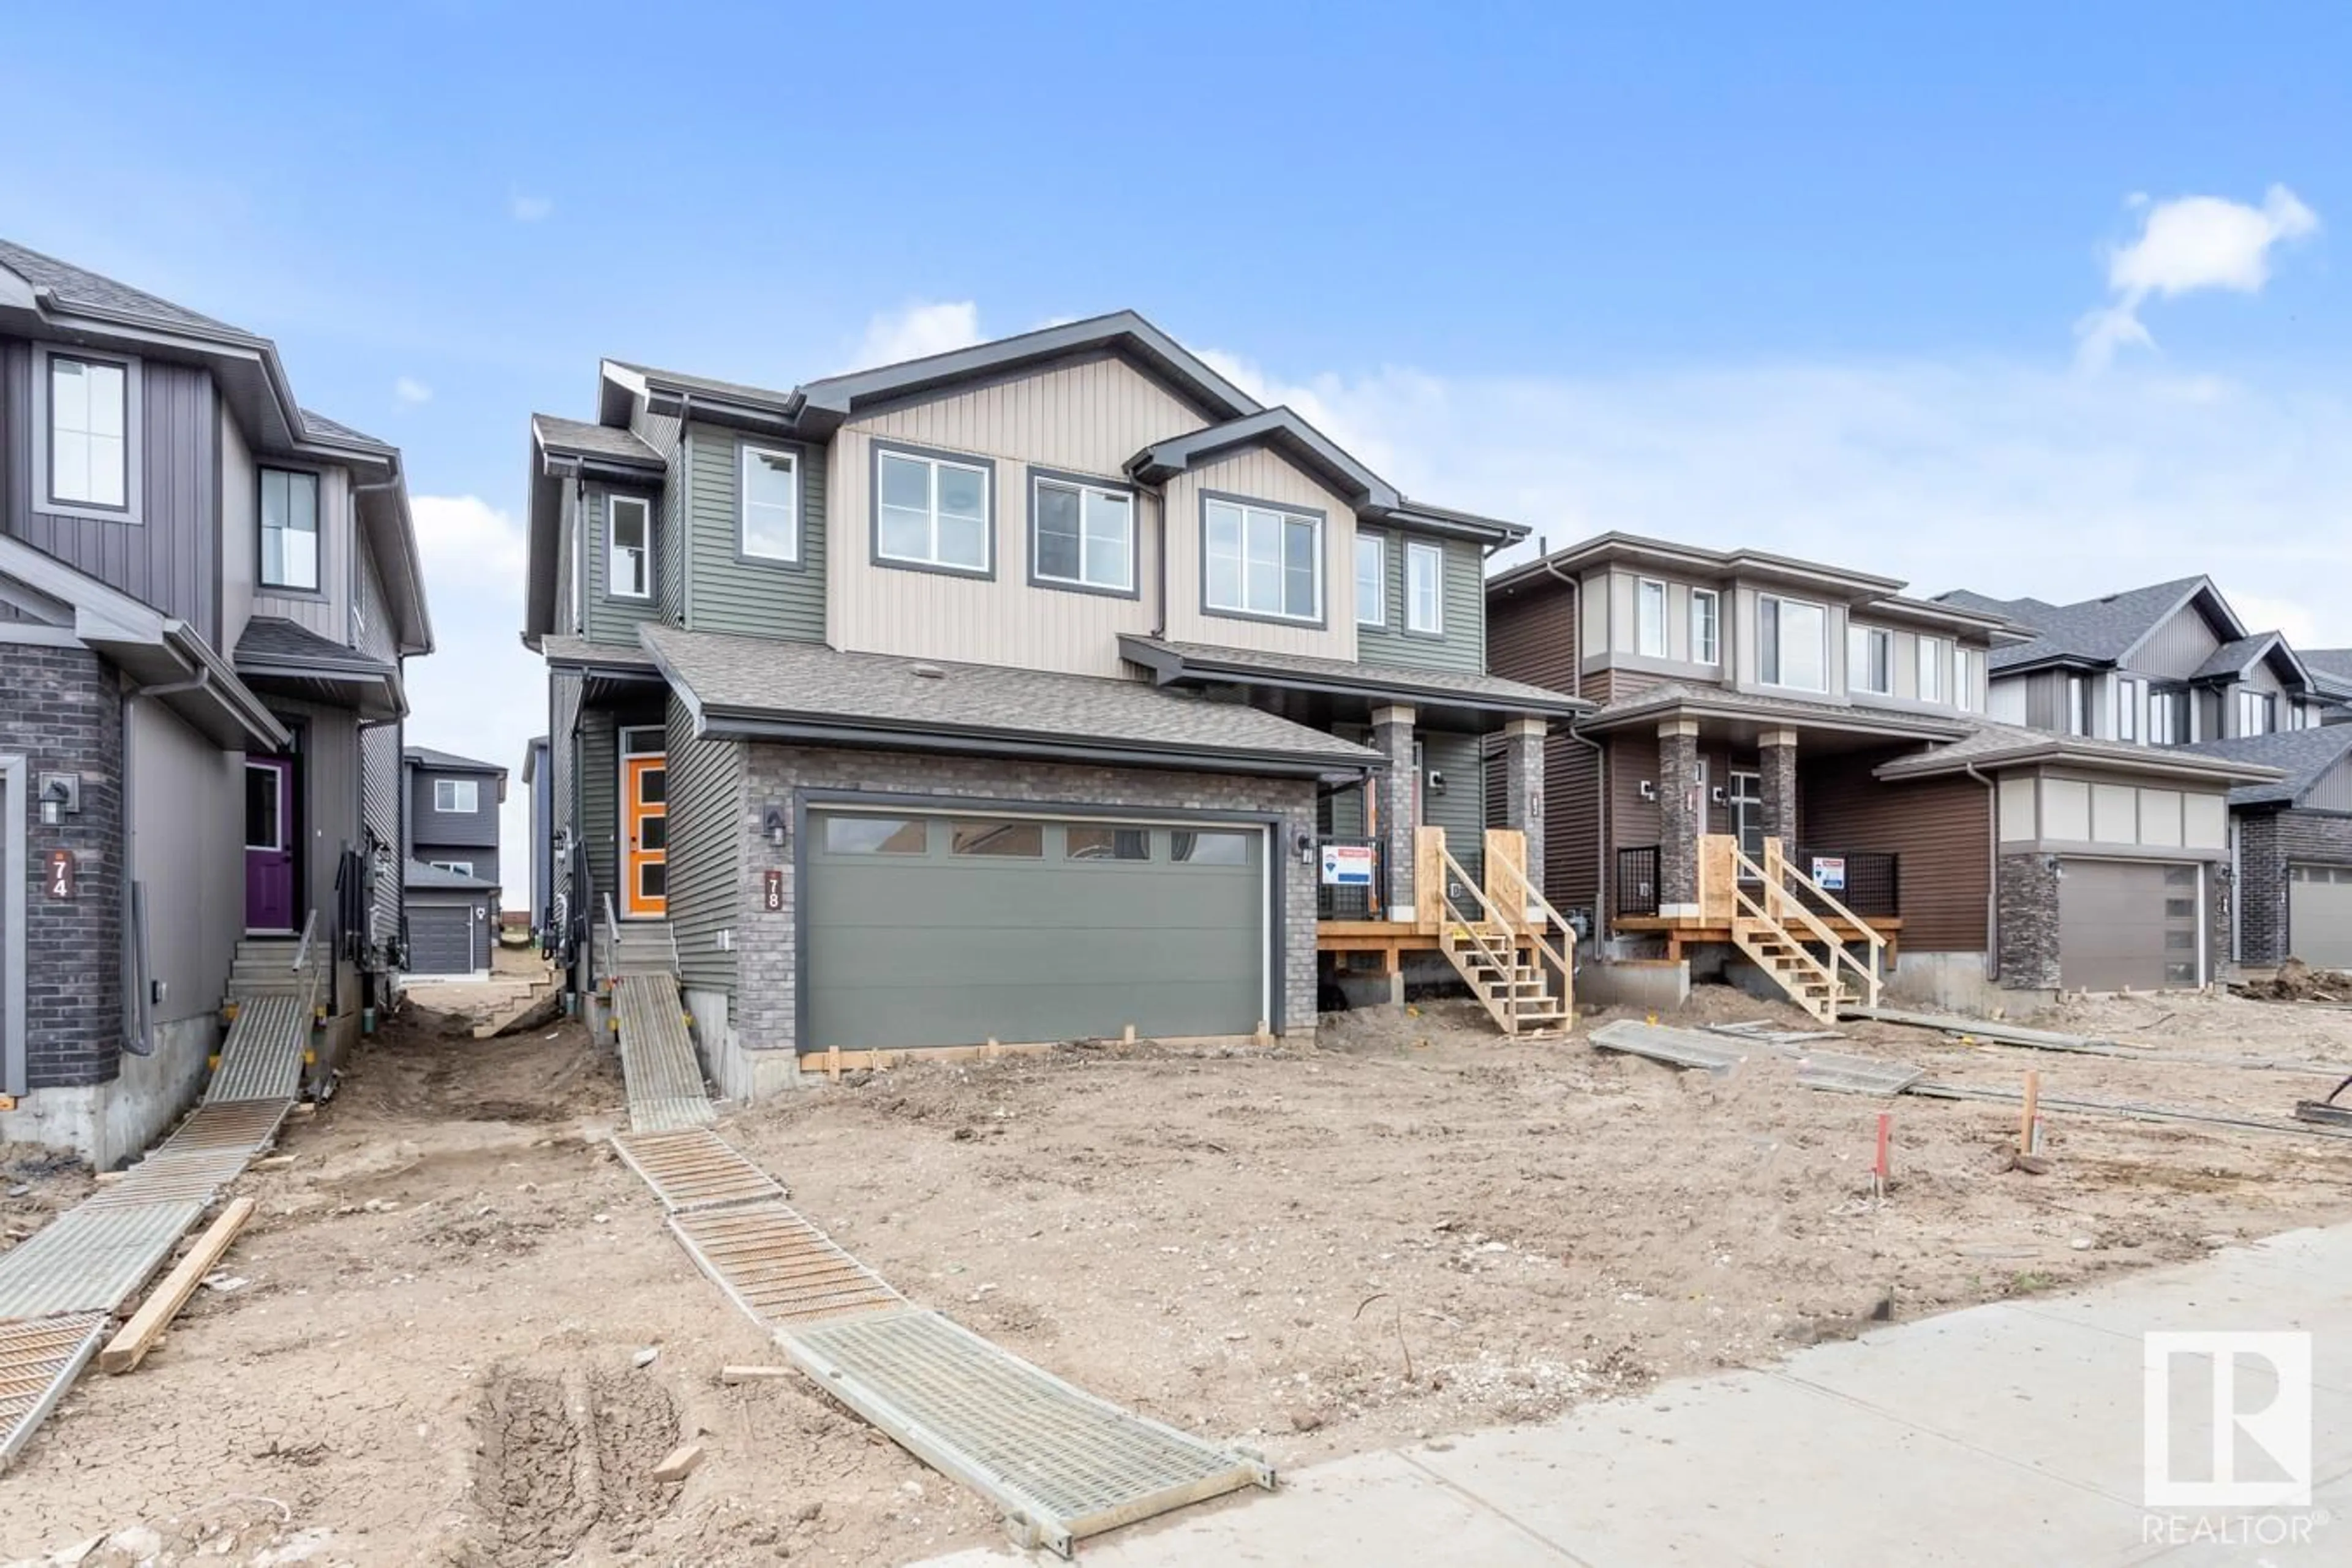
<point x="1823" y="279"/>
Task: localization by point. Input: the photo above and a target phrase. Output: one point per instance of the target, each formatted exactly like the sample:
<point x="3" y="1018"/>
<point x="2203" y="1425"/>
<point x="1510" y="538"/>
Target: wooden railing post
<point x="1429" y="878"/>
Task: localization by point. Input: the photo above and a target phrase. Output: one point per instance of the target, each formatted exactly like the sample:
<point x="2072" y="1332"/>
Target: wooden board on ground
<point x="139" y="1336"/>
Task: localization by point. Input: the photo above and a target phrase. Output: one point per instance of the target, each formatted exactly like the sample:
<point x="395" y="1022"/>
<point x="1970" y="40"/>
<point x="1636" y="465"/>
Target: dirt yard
<point x="429" y="1352"/>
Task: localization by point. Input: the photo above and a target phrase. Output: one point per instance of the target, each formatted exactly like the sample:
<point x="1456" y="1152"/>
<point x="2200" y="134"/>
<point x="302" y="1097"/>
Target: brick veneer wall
<point x="764" y="1012"/>
<point x="2268" y="843"/>
<point x="61" y="710"/>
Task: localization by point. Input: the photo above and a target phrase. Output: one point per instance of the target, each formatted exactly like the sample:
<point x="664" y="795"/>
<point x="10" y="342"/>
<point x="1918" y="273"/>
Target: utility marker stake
<point x="2029" y="1113"/>
<point x="1883" y="1167"/>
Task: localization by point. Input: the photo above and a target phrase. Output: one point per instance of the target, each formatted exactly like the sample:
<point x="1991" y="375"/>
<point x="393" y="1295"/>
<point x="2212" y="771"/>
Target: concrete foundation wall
<point x="1949" y="982"/>
<point x="740" y="1074"/>
<point x="107" y="1123"/>
<point x="1634" y="983"/>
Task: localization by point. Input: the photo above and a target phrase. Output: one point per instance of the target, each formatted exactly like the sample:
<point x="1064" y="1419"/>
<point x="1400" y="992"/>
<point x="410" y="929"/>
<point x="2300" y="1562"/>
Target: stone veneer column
<point x="1523" y="781"/>
<point x="1776" y="751"/>
<point x="1680" y="813"/>
<point x="1395" y="794"/>
<point x="2025" y="900"/>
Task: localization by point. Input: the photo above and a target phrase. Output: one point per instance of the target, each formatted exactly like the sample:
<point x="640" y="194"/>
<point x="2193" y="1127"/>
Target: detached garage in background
<point x="452" y="922"/>
<point x="2291" y="846"/>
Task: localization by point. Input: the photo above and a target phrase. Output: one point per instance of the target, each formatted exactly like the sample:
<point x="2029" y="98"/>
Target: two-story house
<point x="1763" y="720"/>
<point x="452" y="861"/>
<point x="206" y="595"/>
<point x="2172" y="664"/>
<point x="1009" y="694"/>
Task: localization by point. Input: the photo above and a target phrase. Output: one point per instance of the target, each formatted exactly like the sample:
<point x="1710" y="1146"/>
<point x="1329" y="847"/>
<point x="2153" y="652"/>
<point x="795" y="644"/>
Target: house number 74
<point x="61" y="874"/>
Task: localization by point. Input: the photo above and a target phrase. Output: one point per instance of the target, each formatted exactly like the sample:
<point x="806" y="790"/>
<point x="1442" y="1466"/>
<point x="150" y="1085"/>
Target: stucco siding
<point x="725" y="592"/>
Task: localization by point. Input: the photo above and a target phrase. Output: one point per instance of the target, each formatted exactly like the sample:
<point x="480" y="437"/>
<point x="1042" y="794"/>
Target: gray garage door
<point x="939" y="931"/>
<point x="2126" y="925"/>
<point x="440" y="939"/>
<point x="2319" y="915"/>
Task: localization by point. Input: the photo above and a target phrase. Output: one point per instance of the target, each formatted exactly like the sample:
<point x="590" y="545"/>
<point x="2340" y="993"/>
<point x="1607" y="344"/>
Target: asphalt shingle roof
<point x="580" y="650"/>
<point x="2335" y="661"/>
<point x="1488" y="689"/>
<point x="1674" y="693"/>
<point x="770" y="677"/>
<point x="2303" y="755"/>
<point x="563" y="435"/>
<point x="78" y="285"/>
<point x="2095" y="630"/>
<point x="418" y="874"/>
<point x="425" y="756"/>
<point x="1990" y="743"/>
<point x="270" y="639"/>
<point x="319" y="424"/>
<point x="2232" y="656"/>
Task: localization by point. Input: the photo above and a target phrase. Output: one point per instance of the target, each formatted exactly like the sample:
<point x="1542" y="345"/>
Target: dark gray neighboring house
<point x="452" y="922"/>
<point x="207" y="594"/>
<point x="537" y="778"/>
<point x="453" y="812"/>
<point x="2292" y="846"/>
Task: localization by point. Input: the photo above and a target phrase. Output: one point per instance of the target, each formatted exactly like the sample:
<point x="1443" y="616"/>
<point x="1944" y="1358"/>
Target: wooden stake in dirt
<point x="2029" y="1125"/>
<point x="141" y="1333"/>
<point x="1883" y="1167"/>
<point x="679" y="1465"/>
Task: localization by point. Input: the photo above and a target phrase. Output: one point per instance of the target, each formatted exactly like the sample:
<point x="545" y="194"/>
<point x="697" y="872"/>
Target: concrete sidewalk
<point x="2003" y="1434"/>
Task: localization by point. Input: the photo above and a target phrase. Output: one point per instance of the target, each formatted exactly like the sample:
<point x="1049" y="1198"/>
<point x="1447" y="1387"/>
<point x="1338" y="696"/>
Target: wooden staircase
<point x="1774" y="926"/>
<point x="1506" y="953"/>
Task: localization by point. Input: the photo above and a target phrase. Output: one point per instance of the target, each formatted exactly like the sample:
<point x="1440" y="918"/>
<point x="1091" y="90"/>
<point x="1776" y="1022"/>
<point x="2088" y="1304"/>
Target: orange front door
<point x="644" y="842"/>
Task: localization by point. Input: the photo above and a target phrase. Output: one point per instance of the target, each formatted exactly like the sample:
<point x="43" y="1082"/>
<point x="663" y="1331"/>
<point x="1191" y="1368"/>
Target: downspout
<point x="1992" y="870"/>
<point x="1160" y="617"/>
<point x="1600" y="758"/>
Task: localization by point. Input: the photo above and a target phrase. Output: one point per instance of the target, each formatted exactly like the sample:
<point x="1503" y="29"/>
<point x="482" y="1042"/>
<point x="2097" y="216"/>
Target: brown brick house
<point x="1756" y="711"/>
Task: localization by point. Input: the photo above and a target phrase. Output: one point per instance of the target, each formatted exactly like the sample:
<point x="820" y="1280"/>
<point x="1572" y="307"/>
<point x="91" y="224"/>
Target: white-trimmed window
<point x="290" y="530"/>
<point x="1791" y="643"/>
<point x="2131" y="701"/>
<point x="768" y="525"/>
<point x="1259" y="560"/>
<point x="1706" y="626"/>
<point x="2257" y="713"/>
<point x="1870" y="660"/>
<point x="1650" y="618"/>
<point x="629" y="561"/>
<point x="463" y="867"/>
<point x="1082" y="536"/>
<point x="89" y="432"/>
<point x="1424" y="588"/>
<point x="1932" y="653"/>
<point x="457" y="795"/>
<point x="1372" y="580"/>
<point x="2082" y="717"/>
<point x="1967" y="680"/>
<point x="932" y="511"/>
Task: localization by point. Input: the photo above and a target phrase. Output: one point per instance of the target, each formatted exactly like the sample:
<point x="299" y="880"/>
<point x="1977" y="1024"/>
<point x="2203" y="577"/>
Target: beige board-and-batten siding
<point x="1260" y="474"/>
<point x="1085" y="418"/>
<point x="764" y="1014"/>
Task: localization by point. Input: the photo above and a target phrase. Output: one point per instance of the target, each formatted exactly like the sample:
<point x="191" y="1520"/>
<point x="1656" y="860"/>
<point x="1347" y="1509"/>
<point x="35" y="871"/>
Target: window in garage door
<point x="955" y="930"/>
<point x="2125" y="924"/>
<point x="2319" y="915"/>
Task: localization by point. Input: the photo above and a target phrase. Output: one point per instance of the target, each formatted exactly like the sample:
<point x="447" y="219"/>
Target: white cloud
<point x="917" y="329"/>
<point x="2188" y="244"/>
<point x="481" y="693"/>
<point x="2003" y="477"/>
<point x="409" y="391"/>
<point x="529" y="209"/>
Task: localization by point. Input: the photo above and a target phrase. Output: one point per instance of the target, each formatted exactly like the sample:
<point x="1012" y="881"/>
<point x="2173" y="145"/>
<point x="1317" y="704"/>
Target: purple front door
<point x="270" y="844"/>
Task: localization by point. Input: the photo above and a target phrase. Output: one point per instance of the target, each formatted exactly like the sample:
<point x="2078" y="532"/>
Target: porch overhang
<point x="607" y="674"/>
<point x="1742" y="719"/>
<point x="1324" y="691"/>
<point x="288" y="660"/>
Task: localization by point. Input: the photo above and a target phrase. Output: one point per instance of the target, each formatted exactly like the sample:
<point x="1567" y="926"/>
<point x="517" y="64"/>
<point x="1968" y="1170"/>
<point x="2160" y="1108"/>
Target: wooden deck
<point x="1683" y="932"/>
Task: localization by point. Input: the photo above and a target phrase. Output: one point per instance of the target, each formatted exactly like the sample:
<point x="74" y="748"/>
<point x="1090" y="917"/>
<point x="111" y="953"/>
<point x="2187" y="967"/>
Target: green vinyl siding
<point x="1462" y="645"/>
<point x="600" y="808"/>
<point x="706" y="850"/>
<point x="1462" y="809"/>
<point x="726" y="593"/>
<point x="612" y="620"/>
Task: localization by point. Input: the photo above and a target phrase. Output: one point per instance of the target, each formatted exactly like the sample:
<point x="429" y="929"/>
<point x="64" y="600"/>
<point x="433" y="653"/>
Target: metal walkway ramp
<point x="664" y="1081"/>
<point x="274" y="985"/>
<point x="1060" y="1462"/>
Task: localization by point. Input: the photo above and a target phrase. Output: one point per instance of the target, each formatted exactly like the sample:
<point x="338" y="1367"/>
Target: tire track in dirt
<point x="561" y="1455"/>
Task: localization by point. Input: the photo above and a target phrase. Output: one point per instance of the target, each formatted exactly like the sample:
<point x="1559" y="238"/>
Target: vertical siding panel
<point x="600" y="763"/>
<point x="706" y="837"/>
